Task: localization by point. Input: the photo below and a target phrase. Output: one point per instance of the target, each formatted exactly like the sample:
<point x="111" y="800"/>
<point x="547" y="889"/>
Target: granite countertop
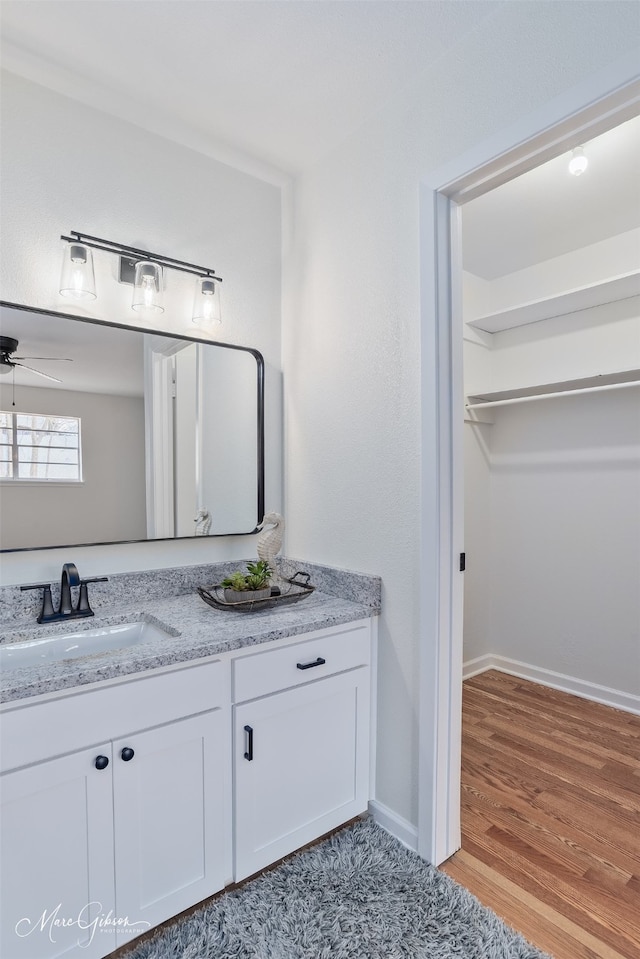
<point x="195" y="631"/>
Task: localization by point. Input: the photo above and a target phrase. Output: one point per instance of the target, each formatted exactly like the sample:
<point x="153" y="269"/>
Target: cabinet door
<point x="57" y="882"/>
<point x="301" y="761"/>
<point x="172" y="845"/>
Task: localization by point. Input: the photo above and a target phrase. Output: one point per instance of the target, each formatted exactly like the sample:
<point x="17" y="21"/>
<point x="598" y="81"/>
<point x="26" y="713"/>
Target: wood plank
<point x="551" y="816"/>
<point x="549" y="929"/>
<point x="593" y="726"/>
<point x="617" y="803"/>
<point x="590" y="736"/>
<point x="557" y="895"/>
<point x="526" y="693"/>
<point x="513" y="753"/>
<point x="501" y="793"/>
<point x="543" y="832"/>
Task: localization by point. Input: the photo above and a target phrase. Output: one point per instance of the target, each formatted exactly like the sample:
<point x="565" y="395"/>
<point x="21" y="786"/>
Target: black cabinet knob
<point x="127" y="754"/>
<point x="101" y="762"/>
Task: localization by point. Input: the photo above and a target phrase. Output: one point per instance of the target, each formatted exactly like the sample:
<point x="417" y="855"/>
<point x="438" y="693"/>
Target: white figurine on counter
<point x="270" y="540"/>
<point x="203" y="522"/>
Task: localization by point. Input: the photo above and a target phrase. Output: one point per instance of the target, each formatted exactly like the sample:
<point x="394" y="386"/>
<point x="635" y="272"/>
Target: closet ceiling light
<point x="144" y="270"/>
<point x="578" y="162"/>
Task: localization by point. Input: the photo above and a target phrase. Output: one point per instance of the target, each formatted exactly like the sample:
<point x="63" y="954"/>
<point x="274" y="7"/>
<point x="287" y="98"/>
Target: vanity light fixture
<point x="144" y="270"/>
<point x="77" y="279"/>
<point x="147" y="287"/>
<point x="578" y="162"/>
<point x="206" y="302"/>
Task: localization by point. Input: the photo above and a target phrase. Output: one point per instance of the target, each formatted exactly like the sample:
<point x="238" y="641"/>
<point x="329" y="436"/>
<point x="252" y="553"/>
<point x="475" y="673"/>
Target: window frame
<point x="14" y="446"/>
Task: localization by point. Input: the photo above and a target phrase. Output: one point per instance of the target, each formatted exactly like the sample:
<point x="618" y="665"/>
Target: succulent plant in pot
<point x="248" y="587"/>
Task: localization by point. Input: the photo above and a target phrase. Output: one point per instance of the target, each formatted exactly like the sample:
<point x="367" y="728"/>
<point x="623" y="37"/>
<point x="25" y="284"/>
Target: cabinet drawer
<point x="31" y="732"/>
<point x="301" y="662"/>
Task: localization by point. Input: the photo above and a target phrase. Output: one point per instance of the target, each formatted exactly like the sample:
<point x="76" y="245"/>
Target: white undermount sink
<point x="82" y="642"/>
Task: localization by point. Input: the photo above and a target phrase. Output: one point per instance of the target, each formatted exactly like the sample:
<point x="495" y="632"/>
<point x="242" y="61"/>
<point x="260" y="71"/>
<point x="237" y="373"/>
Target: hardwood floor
<point x="551" y="816"/>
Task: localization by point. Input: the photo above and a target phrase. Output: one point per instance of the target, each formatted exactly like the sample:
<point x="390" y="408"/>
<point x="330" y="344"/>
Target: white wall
<point x="351" y="338"/>
<point x="109" y="504"/>
<point x="552" y="488"/>
<point x="68" y="167"/>
<point x="565" y="518"/>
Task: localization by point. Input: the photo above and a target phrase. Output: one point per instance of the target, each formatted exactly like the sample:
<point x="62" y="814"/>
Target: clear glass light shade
<point x="77" y="279"/>
<point x="206" y="302"/>
<point x="147" y="287"/>
<point x="578" y="162"/>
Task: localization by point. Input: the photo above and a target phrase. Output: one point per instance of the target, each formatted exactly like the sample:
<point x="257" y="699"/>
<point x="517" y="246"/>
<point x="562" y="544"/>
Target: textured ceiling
<point x="283" y="83"/>
<point x="102" y="359"/>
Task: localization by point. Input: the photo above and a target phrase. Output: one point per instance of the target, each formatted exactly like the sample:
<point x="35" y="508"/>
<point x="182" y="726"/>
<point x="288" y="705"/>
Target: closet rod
<point x="548" y="396"/>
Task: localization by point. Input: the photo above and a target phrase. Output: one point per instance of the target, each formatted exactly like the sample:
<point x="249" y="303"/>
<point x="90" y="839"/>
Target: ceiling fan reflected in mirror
<point x="9" y="362"/>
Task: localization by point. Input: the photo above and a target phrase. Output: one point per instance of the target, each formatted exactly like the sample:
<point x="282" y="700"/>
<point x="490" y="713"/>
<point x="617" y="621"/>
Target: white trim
<point x="440" y="602"/>
<point x="159" y="442"/>
<point x="628" y="702"/>
<point x="473" y="667"/>
<point x="601" y="101"/>
<point x="373" y="708"/>
<point x="12" y="483"/>
<point x="398" y="827"/>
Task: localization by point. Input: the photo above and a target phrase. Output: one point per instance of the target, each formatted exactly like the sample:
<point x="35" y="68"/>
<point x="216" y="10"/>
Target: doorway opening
<point x="606" y="101"/>
<point x="551" y="330"/>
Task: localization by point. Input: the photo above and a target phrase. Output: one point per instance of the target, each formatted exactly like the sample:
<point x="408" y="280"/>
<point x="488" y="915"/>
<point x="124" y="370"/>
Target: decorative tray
<point x="292" y="590"/>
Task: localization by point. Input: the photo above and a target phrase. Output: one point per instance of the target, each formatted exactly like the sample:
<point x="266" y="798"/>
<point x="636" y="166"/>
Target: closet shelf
<point x="596" y="294"/>
<point x="588" y="384"/>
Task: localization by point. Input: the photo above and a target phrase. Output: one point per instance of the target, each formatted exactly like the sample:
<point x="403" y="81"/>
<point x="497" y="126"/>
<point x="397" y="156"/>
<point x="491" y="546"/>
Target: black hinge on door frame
<point x="463" y="562"/>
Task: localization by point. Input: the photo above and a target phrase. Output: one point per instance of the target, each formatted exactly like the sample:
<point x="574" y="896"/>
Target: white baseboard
<point x="478" y="665"/>
<point x="547" y="677"/>
<point x="400" y="828"/>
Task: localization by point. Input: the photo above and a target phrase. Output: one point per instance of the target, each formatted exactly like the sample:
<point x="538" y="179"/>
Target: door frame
<point x="599" y="103"/>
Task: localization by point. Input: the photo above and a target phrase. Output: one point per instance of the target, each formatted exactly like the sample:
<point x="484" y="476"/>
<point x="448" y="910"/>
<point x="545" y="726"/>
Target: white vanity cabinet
<point x="301" y="743"/>
<point x="128" y="801"/>
<point x="170" y="825"/>
<point x="56" y="858"/>
<point x="135" y="827"/>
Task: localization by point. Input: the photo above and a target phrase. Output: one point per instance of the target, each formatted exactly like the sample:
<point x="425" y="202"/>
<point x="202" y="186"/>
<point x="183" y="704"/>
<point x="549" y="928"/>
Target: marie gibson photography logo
<point x="90" y="919"/>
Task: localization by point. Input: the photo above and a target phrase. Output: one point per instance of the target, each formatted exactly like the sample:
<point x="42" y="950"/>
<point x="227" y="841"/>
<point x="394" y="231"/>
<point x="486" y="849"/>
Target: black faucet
<point x="70" y="578"/>
<point x="66" y="609"/>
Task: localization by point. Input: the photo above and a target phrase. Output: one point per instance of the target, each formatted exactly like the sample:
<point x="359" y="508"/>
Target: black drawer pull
<point x="249" y="753"/>
<point x="318" y="662"/>
<point x="127" y="754"/>
<point x="101" y="762"/>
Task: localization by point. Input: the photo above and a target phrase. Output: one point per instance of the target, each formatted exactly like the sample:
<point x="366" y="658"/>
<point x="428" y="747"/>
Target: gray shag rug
<point x="358" y="895"/>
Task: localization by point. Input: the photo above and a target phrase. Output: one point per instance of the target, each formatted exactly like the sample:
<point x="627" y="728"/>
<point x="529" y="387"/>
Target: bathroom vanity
<point x="136" y="783"/>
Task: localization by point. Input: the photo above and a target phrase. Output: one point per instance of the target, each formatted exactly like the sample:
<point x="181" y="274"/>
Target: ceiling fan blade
<point x="65" y="359"/>
<point x="37" y="372"/>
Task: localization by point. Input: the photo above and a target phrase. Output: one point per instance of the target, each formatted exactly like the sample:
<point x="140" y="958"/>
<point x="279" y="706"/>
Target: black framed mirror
<point x="118" y="434"/>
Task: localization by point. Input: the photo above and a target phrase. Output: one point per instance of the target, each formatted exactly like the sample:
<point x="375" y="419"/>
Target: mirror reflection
<point x="110" y="434"/>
